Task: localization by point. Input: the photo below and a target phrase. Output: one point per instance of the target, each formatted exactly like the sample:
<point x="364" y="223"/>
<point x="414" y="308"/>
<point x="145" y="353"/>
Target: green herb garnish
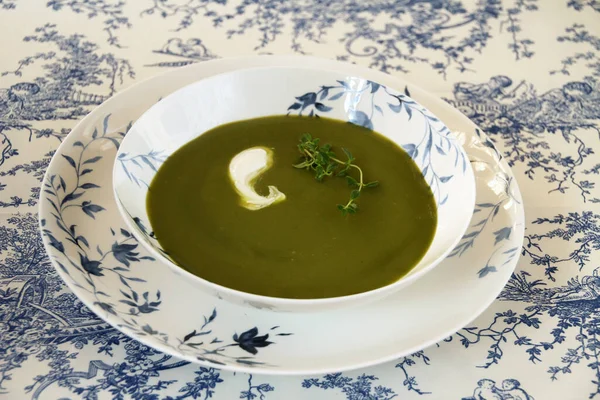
<point x="324" y="162"/>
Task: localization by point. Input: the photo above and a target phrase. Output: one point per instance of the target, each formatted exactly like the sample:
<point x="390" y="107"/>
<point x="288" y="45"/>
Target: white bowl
<point x="252" y="93"/>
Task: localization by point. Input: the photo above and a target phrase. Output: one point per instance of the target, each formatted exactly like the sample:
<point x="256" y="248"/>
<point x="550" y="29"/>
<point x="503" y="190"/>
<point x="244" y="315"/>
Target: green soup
<point x="302" y="247"/>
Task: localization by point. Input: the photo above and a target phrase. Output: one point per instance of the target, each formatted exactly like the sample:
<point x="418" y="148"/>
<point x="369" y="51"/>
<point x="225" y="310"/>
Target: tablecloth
<point x="526" y="71"/>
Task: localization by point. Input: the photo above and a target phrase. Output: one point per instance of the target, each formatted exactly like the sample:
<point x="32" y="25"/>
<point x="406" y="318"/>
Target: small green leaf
<point x="301" y="165"/>
<point x="354" y="194"/>
<point x="343" y="171"/>
<point x="348" y="154"/>
<point x="371" y="184"/>
<point x="351" y="181"/>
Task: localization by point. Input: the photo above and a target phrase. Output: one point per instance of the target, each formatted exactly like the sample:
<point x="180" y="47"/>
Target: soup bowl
<point x="246" y="94"/>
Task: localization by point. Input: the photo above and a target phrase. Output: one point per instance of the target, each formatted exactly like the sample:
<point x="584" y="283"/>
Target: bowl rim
<point x="248" y="297"/>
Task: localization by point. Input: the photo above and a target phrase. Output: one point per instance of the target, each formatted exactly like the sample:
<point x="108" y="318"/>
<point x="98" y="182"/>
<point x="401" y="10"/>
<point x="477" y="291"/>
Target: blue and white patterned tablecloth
<point x="526" y="71"/>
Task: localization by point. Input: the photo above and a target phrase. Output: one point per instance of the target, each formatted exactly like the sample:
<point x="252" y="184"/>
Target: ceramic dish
<point x="115" y="277"/>
<point x="258" y="92"/>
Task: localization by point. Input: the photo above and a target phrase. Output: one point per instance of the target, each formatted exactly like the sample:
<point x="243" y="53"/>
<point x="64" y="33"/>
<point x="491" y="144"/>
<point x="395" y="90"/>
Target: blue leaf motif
<point x="148" y="163"/>
<point x="358" y="117"/>
<point x="486" y="270"/>
<point x="70" y="197"/>
<point x="124" y="252"/>
<point x="322" y="107"/>
<point x="212" y="317"/>
<point x="105" y="124"/>
<point x="395" y="107"/>
<point x="92" y="160"/>
<point x="90" y="208"/>
<point x="307" y="99"/>
<point x="55" y="243"/>
<point x="445" y="179"/>
<point x="411" y="149"/>
<point x="324" y="93"/>
<point x="115" y="142"/>
<point x="106" y="307"/>
<point x="336" y="96"/>
<point x="142" y="227"/>
<point x="69" y="160"/>
<point x="428" y="145"/>
<point x="89" y="186"/>
<point x="82" y="240"/>
<point x="502" y="234"/>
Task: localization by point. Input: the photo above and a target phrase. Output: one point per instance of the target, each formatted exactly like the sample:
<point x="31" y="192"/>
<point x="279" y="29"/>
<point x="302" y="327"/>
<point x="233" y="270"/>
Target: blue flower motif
<point x="249" y="340"/>
<point x="90" y="266"/>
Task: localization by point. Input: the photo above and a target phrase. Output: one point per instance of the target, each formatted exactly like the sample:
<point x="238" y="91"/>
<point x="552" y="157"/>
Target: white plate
<point x="111" y="274"/>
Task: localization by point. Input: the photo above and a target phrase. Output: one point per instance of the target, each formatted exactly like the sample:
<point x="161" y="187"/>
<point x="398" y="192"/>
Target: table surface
<point x="493" y="58"/>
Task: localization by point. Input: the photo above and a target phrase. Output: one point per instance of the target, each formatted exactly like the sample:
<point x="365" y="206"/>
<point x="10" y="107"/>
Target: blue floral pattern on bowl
<point x="436" y="141"/>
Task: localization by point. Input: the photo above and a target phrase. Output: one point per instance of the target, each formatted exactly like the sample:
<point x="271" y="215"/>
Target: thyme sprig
<point x="323" y="161"/>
